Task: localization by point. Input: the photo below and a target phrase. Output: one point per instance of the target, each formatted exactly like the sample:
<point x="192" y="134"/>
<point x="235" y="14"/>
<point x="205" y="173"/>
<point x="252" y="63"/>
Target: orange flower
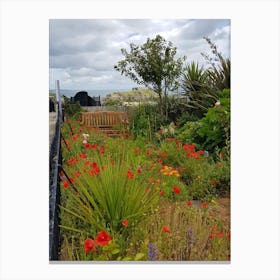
<point x="130" y="174"/>
<point x="151" y="180"/>
<point x="212" y="182"/>
<point x="125" y="222"/>
<point x="157" y="181"/>
<point x="164" y="155"/>
<point x="166" y="229"/>
<point x="204" y="205"/>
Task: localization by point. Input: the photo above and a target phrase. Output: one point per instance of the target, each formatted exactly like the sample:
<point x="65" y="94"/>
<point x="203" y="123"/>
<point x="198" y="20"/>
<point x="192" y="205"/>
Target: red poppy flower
<point x="96" y="170"/>
<point x="204" y="205"/>
<point x="160" y="160"/>
<point x="178" y="141"/>
<point x="87" y="145"/>
<point x="228" y="235"/>
<point x="125" y="222"/>
<point x="87" y="163"/>
<point x="189" y="203"/>
<point x="103" y="238"/>
<point x="211" y="236"/>
<point x="166" y="229"/>
<point x="176" y="190"/>
<point x="162" y="193"/>
<point x="66" y="184"/>
<point x="72" y="180"/>
<point x="83" y="155"/>
<point x="139" y="170"/>
<point x="130" y="174"/>
<point x="94" y="146"/>
<point x="77" y="174"/>
<point x="219" y="234"/>
<point x="169" y="139"/>
<point x="72" y="160"/>
<point x="102" y="150"/>
<point x="148" y="152"/>
<point x="89" y="245"/>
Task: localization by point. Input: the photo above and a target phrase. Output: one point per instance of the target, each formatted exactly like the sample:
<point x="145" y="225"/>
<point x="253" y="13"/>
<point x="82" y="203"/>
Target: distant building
<point x="85" y="100"/>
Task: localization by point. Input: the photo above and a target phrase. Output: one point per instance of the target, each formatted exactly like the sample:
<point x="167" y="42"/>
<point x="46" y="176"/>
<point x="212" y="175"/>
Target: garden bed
<point x="133" y="200"/>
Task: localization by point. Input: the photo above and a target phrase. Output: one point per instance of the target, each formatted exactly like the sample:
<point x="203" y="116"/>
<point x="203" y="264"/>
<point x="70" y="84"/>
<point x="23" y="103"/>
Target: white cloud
<point x="84" y="52"/>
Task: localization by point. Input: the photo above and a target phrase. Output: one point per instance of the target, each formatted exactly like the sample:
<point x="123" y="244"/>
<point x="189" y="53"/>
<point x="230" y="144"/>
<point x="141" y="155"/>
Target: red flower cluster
<point x="90" y="146"/>
<point x="102" y="239"/>
<point x="215" y="233"/>
<point x="176" y="190"/>
<point x="75" y="137"/>
<point x="191" y="151"/>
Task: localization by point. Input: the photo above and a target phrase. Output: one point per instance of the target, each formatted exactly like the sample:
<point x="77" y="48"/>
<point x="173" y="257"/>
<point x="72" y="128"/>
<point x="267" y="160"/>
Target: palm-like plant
<point x="199" y="96"/>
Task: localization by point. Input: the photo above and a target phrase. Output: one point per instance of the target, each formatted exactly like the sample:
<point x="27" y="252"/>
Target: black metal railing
<point x="55" y="160"/>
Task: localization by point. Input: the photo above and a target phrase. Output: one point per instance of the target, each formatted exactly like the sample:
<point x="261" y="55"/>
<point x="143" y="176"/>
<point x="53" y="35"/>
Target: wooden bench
<point x="111" y="123"/>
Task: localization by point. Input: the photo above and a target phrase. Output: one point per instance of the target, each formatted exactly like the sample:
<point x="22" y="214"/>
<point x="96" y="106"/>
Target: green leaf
<point x="115" y="251"/>
<point x="139" y="256"/>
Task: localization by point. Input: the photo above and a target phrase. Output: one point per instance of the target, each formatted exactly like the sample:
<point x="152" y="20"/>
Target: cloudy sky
<point x="83" y="52"/>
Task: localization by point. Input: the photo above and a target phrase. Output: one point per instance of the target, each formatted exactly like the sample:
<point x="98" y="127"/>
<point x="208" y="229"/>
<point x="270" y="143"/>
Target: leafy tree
<point x="153" y="65"/>
<point x="196" y="91"/>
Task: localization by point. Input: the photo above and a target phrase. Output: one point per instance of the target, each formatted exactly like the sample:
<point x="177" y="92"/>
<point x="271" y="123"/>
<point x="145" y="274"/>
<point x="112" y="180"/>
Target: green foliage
<point x="112" y="102"/>
<point x="144" y="121"/>
<point x="152" y="64"/>
<point x="215" y="126"/>
<point x="71" y="109"/>
<point x="218" y="73"/>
